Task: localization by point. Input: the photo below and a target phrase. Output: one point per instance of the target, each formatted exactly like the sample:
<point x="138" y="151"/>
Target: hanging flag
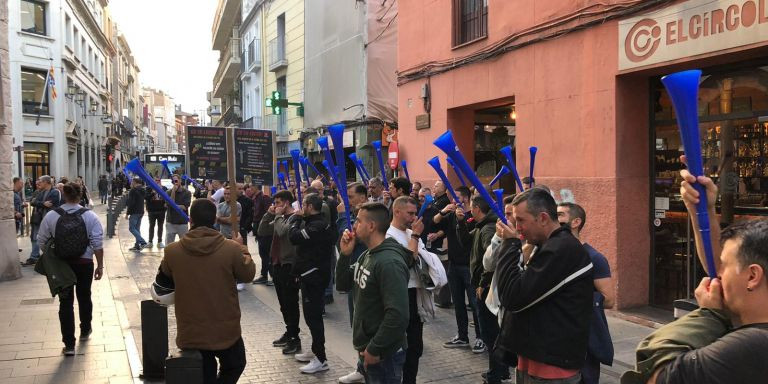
<point x="52" y="83"/>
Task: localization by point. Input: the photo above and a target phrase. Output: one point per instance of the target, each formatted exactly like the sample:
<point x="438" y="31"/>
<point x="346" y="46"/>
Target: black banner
<point x="254" y="156"/>
<point x="207" y="152"/>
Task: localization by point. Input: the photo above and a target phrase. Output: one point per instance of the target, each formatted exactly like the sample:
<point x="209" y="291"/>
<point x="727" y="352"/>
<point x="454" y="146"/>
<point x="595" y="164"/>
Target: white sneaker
<point x="353" y="378"/>
<point x="240" y="286"/>
<point x="304" y="357"/>
<point x="314" y="366"/>
<point x="161" y="245"/>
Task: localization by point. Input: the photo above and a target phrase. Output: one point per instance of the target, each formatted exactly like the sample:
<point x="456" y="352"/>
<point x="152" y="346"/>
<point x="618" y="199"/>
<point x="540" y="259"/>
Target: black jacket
<point x="135" y="203"/>
<point x="548" y="305"/>
<point x="314" y="247"/>
<point x="246" y="223"/>
<point x="431" y="227"/>
<point x="155" y="203"/>
<point x="459" y="242"/>
<point x="482" y="235"/>
<point x="182" y="197"/>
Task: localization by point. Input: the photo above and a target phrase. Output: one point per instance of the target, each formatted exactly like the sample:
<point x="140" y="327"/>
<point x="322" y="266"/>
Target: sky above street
<point x="171" y="41"/>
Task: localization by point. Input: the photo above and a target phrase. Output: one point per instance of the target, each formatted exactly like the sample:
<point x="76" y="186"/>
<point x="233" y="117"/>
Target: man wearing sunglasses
<point x="175" y="223"/>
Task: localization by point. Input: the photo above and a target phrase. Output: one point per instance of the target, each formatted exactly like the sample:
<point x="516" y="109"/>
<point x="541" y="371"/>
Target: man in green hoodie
<point x="381" y="299"/>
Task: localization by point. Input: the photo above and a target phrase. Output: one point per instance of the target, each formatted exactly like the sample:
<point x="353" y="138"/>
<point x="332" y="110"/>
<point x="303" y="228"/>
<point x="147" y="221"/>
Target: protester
<point x="550" y="296"/>
<point x="314" y="241"/>
<point x="425" y="274"/>
<point x="415" y="189"/>
<point x="135" y="211"/>
<point x="381" y="299"/>
<point x="176" y="224"/>
<point x="423" y="192"/>
<point x="103" y="188"/>
<point x="18" y="203"/>
<point x="376" y="190"/>
<point x="261" y="203"/>
<point x="600" y="347"/>
<point x="215" y="191"/>
<point x="722" y="341"/>
<point x="155" y="205"/>
<point x="47" y="199"/>
<point x="80" y="232"/>
<point x="283" y="256"/>
<point x="224" y="214"/>
<point x="204" y="266"/>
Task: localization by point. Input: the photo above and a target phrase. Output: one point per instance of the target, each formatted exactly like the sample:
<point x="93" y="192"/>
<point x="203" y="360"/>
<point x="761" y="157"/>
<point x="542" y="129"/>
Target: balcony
<point x="277" y="124"/>
<point x="227" y="16"/>
<point x="252" y="123"/>
<point x="229" y="65"/>
<point x="253" y="56"/>
<point x="277" y="59"/>
<point x="230" y="117"/>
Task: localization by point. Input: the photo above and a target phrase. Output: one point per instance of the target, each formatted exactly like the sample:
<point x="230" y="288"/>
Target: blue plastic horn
<point x="329" y="165"/>
<point x="281" y="178"/>
<point x="435" y="163"/>
<point x="507" y="152"/>
<point x="533" y="162"/>
<point x="295" y="156"/>
<point x="272" y="190"/>
<point x="193" y="181"/>
<point x="377" y="145"/>
<point x="683" y="89"/>
<point x="456" y="171"/>
<point x="353" y="157"/>
<point x="504" y="170"/>
<point x="135" y="167"/>
<point x="427" y="202"/>
<point x="317" y="173"/>
<point x="304" y="167"/>
<point x="446" y="143"/>
<point x="165" y="165"/>
<point x="405" y="169"/>
<point x="336" y="132"/>
<point x="287" y="171"/>
<point x="362" y="168"/>
<point x="499" y="198"/>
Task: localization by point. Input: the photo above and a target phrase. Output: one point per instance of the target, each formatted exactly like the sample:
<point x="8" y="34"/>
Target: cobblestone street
<point x="30" y="346"/>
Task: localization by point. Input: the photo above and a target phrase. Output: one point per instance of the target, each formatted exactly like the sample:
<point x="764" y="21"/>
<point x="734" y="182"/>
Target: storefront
<point x="591" y="100"/>
<point x="37" y="160"/>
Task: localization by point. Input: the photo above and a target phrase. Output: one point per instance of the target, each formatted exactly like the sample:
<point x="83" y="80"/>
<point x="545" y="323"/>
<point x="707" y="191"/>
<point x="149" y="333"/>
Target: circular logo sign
<point x="642" y="40"/>
<point x="657" y="222"/>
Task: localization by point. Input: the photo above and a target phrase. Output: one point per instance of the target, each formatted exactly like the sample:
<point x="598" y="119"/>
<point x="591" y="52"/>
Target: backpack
<point x="72" y="239"/>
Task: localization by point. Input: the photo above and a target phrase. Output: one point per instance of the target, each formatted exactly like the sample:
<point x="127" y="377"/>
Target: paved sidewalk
<point x="30" y="337"/>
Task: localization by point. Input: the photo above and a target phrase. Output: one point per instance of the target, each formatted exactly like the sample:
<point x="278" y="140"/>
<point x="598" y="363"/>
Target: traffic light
<point x="109" y="157"/>
<point x="276" y="103"/>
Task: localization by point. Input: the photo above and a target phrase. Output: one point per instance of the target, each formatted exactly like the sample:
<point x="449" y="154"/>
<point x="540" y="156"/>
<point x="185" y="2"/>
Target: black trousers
<point x="489" y="329"/>
<point x="288" y="296"/>
<point x="265" y="244"/>
<point x="312" y="292"/>
<point x="244" y="236"/>
<point x="82" y="289"/>
<point x="414" y="335"/>
<point x="231" y="362"/>
<point x="159" y="218"/>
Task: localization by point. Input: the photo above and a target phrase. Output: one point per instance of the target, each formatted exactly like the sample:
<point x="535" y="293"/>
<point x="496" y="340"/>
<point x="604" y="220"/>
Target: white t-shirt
<point x="218" y="195"/>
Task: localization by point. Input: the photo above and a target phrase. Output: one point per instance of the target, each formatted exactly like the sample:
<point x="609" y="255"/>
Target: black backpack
<point x="70" y="236"/>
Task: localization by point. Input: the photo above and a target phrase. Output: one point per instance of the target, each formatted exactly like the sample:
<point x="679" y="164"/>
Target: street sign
<point x="207" y="152"/>
<point x="254" y="156"/>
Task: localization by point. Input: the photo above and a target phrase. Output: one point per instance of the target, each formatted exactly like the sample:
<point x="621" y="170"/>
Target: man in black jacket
<point x="246" y="221"/>
<point x="47" y="199"/>
<point x="135" y="211"/>
<point x="156" y="214"/>
<point x="548" y="302"/>
<point x="313" y="238"/>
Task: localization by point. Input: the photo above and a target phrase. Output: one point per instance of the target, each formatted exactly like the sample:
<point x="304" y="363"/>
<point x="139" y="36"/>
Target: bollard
<point x="154" y="338"/>
<point x="110" y="223"/>
<point x="184" y="367"/>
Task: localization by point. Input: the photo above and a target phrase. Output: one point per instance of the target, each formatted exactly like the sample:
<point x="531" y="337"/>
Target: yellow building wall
<point x="294" y="52"/>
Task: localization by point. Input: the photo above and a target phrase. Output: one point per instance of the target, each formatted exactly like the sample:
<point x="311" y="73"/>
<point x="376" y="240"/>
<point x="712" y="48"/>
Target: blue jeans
<point x="134" y="225"/>
<point x="387" y="371"/>
<point x="459" y="282"/>
<point x="35" y="254"/>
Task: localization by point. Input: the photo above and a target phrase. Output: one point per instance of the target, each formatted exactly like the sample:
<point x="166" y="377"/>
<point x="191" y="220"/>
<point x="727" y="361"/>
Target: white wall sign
<point x="691" y="28"/>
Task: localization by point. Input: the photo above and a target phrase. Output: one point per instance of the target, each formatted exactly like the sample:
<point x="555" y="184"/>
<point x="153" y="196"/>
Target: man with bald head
<point x="318" y="185"/>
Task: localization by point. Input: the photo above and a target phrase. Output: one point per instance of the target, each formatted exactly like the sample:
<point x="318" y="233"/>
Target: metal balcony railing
<point x="277" y="124"/>
<point x="277" y="59"/>
<point x="228" y="58"/>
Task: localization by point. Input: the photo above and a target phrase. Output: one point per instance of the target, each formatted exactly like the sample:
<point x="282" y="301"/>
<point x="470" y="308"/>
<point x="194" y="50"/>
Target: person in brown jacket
<point x="204" y="266"/>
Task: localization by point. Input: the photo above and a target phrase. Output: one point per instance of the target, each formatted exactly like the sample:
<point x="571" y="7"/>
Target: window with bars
<point x="470" y="21"/>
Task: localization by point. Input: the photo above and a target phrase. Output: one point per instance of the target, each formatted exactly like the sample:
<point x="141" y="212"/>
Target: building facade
<point x="251" y="76"/>
<point x="352" y="47"/>
<point x="226" y="81"/>
<point x="283" y="37"/>
<point x="160" y="117"/>
<point x="585" y="90"/>
<point x="63" y="133"/>
<point x="126" y="107"/>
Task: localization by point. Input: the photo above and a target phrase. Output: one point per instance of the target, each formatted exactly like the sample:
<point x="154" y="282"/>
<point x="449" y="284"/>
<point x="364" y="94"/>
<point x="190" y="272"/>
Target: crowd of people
<point x="536" y="292"/>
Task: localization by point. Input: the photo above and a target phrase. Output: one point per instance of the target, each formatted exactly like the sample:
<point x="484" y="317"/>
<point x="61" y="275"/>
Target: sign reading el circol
<point x="691" y="28"/>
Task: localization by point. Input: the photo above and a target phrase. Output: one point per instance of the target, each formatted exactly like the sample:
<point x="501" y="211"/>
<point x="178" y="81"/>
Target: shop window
<point x="734" y="142"/>
<point x="33" y="90"/>
<point x="470" y="21"/>
<point x="33" y="17"/>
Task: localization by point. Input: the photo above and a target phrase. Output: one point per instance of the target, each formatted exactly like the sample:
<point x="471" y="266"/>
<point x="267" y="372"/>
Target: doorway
<point x="36" y="160"/>
<point x="494" y="129"/>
